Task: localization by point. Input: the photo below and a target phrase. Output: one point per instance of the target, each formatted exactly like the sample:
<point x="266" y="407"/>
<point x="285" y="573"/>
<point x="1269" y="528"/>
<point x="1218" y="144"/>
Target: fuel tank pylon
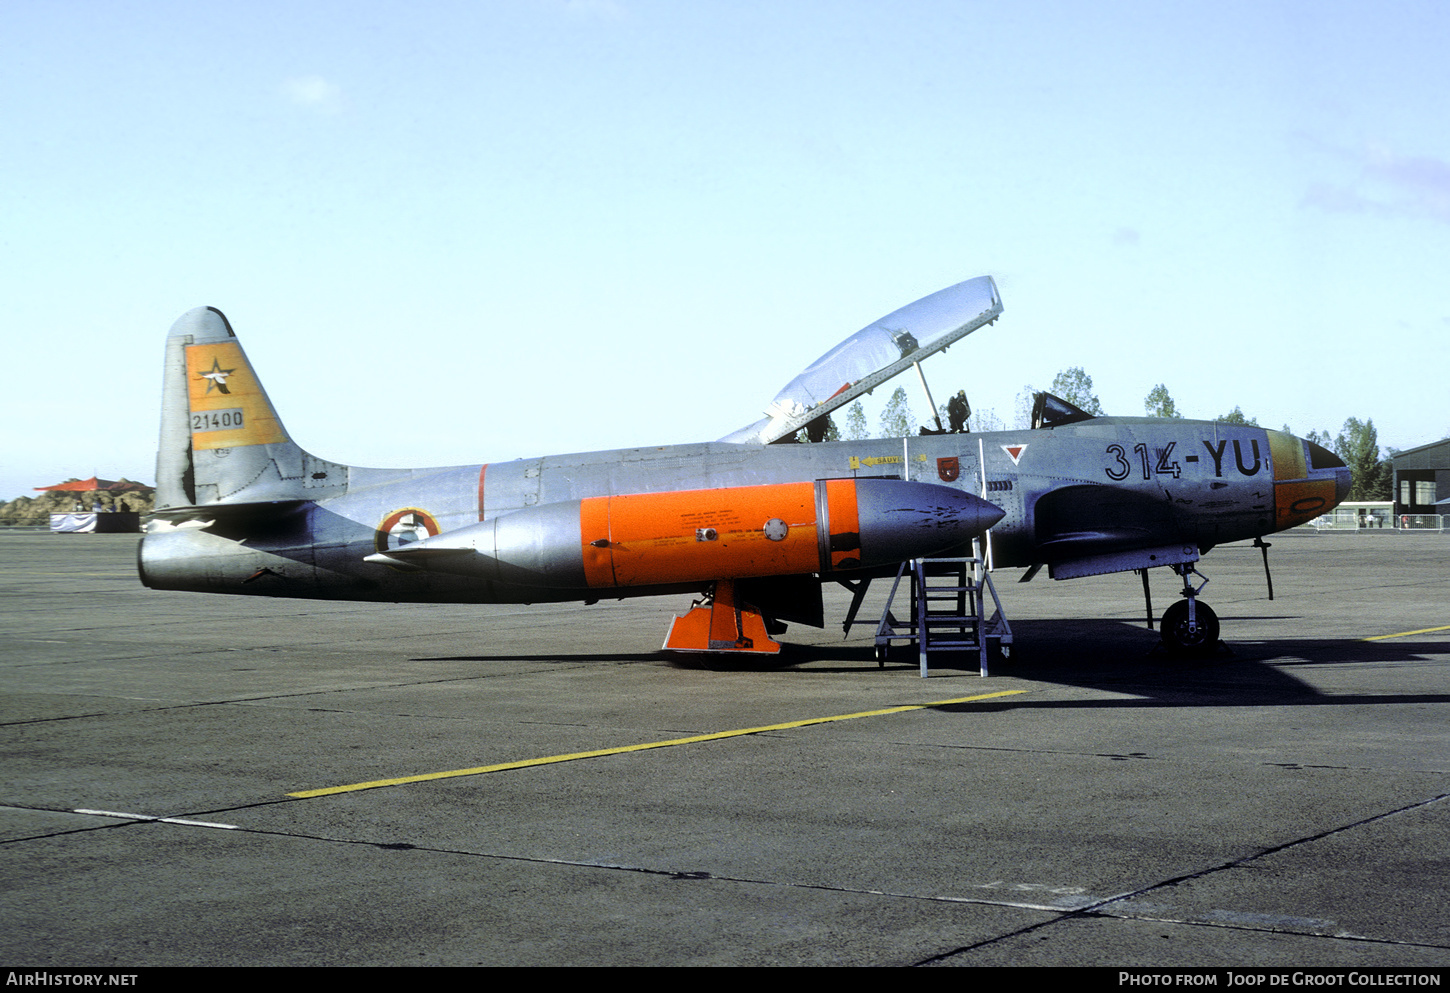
<point x="723" y="625"/>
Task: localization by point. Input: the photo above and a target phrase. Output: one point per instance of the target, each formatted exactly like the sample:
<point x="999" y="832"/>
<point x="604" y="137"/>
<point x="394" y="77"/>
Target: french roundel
<point x="403" y="527"/>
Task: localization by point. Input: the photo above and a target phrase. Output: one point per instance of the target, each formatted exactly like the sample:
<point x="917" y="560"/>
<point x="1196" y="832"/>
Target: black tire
<point x="1183" y="639"/>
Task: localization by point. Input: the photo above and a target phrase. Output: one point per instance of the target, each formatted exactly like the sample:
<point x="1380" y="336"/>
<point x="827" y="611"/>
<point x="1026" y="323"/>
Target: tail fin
<point x="221" y="439"/>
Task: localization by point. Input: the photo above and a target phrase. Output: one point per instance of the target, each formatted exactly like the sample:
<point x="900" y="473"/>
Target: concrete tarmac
<point x="1285" y="805"/>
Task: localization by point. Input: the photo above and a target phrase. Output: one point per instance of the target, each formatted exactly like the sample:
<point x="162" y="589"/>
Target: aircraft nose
<point x="1343" y="478"/>
<point x="1322" y="462"/>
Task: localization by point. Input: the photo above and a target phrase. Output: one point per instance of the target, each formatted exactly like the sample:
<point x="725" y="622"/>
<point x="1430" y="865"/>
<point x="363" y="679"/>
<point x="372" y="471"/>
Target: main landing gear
<point x="1190" y="627"/>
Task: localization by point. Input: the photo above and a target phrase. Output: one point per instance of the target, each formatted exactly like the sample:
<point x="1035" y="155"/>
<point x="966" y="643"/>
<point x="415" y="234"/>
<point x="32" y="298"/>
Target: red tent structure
<point x="95" y="484"/>
<point x="100" y="518"/>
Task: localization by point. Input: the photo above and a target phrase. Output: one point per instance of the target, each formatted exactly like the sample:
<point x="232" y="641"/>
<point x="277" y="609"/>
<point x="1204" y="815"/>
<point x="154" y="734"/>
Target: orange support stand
<point x="723" y="625"/>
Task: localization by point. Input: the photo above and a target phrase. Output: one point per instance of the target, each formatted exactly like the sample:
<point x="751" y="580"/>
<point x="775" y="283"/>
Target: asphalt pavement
<point x="200" y="780"/>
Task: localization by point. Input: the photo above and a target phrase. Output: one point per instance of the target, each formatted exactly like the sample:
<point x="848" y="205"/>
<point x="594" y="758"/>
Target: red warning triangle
<point x="1014" y="452"/>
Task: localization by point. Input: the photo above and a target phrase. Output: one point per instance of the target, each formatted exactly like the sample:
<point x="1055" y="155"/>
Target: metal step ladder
<point x="947" y="599"/>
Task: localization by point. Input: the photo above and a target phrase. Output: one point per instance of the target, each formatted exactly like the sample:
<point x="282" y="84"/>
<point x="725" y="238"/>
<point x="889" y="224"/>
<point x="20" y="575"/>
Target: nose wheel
<point x="1190" y="627"/>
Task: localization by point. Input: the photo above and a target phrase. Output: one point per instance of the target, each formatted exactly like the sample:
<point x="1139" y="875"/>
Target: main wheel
<point x="1183" y="638"/>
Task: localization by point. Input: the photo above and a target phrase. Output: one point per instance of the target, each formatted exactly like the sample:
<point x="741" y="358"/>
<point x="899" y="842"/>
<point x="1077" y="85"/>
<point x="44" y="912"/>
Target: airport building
<point x="1422" y="481"/>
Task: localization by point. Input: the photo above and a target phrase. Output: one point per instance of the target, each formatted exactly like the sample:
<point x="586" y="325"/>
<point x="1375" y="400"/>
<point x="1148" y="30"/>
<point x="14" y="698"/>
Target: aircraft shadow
<point x="1125" y="657"/>
<point x="1116" y="655"/>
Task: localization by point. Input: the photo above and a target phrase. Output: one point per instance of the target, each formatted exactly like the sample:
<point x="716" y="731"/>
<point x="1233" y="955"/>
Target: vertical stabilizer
<point x="221" y="439"/>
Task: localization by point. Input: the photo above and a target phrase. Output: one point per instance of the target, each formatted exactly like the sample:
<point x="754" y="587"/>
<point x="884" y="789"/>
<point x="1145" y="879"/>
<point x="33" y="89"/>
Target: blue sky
<point x="467" y="232"/>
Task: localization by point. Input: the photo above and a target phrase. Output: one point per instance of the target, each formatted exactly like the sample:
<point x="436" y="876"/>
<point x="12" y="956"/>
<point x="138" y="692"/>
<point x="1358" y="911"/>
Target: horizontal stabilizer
<point x="230" y="513"/>
<point x="416" y="556"/>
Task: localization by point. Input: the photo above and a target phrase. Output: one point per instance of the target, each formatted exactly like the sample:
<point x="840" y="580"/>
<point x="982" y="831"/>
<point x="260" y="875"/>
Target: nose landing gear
<point x="1190" y="628"/>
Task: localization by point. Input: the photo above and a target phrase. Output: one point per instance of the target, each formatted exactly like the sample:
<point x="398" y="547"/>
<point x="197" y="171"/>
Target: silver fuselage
<point x="1086" y="493"/>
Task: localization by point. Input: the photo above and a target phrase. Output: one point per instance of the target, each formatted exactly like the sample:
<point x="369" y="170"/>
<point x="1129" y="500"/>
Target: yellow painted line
<point x="552" y="759"/>
<point x="1404" y="634"/>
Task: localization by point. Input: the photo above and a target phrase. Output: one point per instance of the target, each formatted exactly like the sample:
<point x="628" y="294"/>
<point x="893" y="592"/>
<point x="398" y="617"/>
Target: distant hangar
<point x="1422" y="479"/>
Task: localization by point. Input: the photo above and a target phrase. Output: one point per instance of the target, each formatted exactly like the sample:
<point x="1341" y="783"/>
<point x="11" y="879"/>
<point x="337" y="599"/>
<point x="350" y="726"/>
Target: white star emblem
<point x="217" y="377"/>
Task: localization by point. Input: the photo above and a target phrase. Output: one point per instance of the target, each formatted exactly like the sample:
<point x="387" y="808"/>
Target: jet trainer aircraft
<point x="754" y="522"/>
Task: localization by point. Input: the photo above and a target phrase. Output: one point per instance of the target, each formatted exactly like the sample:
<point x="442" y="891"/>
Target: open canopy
<point x="874" y="354"/>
